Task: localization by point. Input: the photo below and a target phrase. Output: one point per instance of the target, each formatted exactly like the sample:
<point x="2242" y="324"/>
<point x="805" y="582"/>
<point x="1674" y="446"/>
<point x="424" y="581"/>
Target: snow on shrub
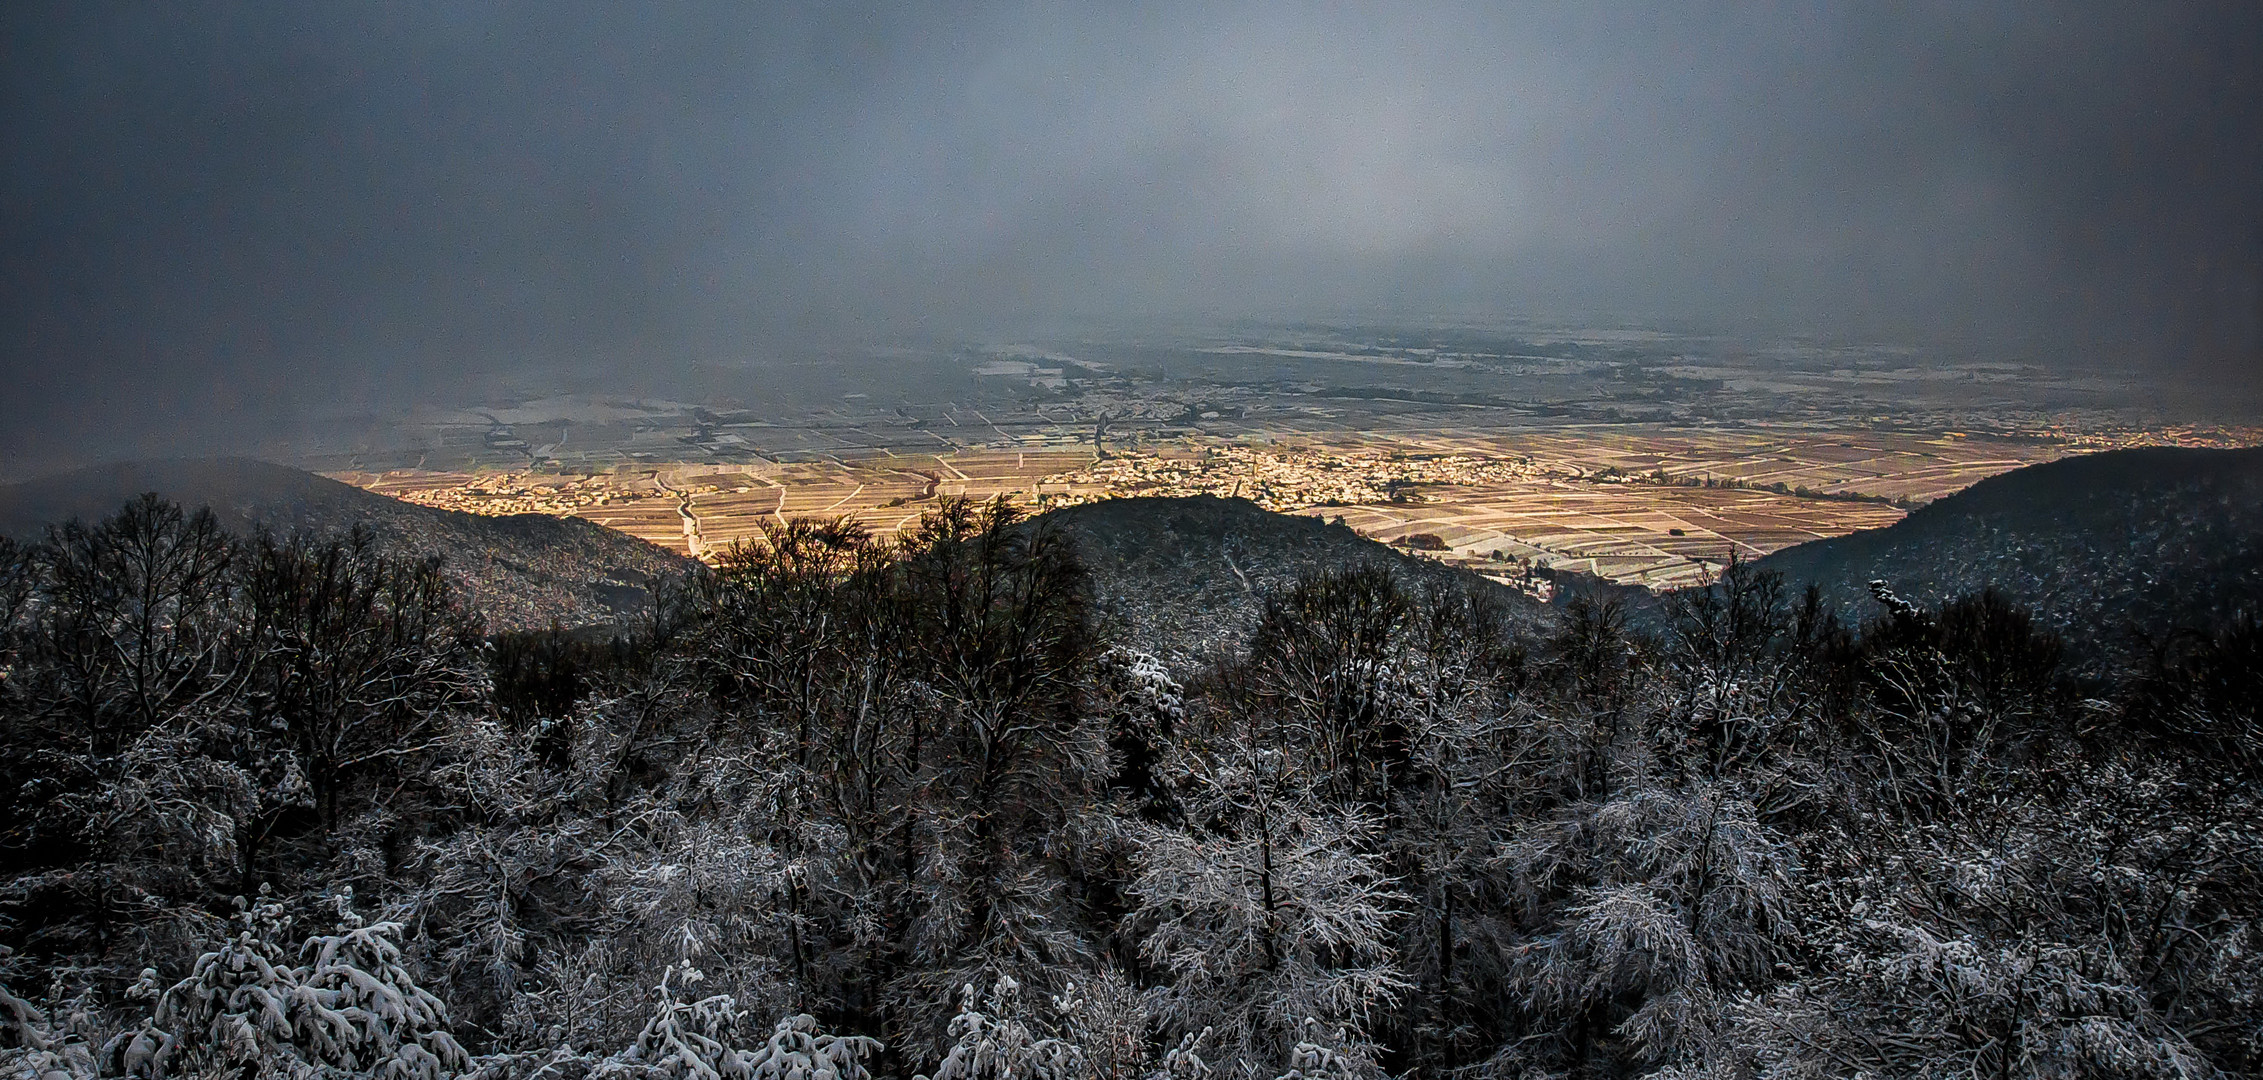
<point x="989" y="1043"/>
<point x="351" y="1006"/>
<point x="694" y="1039"/>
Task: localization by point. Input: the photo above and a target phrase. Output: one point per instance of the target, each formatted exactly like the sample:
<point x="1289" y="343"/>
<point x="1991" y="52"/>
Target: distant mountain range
<point x="525" y="571"/>
<point x="1178" y="574"/>
<point x="2101" y="547"/>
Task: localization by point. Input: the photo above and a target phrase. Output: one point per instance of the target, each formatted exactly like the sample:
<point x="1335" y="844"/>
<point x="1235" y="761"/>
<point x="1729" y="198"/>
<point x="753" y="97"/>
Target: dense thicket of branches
<point x="849" y="804"/>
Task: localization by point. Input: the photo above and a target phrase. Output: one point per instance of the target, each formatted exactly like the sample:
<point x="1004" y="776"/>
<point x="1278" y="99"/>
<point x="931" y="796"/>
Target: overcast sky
<point x="215" y="213"/>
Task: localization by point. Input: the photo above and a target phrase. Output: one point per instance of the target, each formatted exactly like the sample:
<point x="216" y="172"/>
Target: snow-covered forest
<point x="898" y="806"/>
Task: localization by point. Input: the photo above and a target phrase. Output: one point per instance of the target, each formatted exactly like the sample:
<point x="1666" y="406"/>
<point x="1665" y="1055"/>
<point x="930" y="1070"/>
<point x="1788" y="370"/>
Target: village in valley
<point x="1638" y="457"/>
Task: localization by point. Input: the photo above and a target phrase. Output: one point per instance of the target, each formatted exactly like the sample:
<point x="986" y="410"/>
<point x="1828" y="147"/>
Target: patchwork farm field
<point x="700" y="509"/>
<point x="1918" y="468"/>
<point x="1657" y="506"/>
<point x="1662" y="537"/>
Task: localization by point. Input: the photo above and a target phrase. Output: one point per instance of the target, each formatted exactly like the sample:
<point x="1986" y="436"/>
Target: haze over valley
<point x="1639" y="455"/>
<point x="1001" y="540"/>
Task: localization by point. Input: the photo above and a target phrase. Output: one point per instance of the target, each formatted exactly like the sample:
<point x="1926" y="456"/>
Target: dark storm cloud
<point x="222" y="215"/>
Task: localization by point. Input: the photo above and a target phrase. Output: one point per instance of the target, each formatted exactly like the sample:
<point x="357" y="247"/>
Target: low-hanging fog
<point x="219" y="216"/>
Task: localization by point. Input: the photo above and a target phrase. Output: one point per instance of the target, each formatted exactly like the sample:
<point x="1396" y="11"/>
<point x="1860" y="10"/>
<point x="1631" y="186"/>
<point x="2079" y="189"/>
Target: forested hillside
<point x="851" y="805"/>
<point x="2116" y="550"/>
<point x="522" y="571"/>
<point x="1178" y="575"/>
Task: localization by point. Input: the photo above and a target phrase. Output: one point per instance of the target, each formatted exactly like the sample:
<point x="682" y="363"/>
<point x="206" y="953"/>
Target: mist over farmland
<point x="1235" y="541"/>
<point x="224" y="220"/>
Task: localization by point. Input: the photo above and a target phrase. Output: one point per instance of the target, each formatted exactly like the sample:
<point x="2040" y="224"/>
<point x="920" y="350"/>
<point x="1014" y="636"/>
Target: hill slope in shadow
<point x="2100" y="547"/>
<point x="1181" y="575"/>
<point x="525" y="571"/>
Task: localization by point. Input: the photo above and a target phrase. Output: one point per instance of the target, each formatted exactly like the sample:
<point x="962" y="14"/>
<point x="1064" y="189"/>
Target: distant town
<point x="1637" y="455"/>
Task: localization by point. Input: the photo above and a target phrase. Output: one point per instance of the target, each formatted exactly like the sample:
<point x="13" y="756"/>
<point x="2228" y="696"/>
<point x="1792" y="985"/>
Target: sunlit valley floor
<point x="1151" y="787"/>
<point x="1639" y="456"/>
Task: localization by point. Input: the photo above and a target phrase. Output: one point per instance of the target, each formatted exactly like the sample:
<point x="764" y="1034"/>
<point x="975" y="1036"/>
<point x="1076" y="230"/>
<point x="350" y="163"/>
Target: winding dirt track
<point x="692" y="543"/>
